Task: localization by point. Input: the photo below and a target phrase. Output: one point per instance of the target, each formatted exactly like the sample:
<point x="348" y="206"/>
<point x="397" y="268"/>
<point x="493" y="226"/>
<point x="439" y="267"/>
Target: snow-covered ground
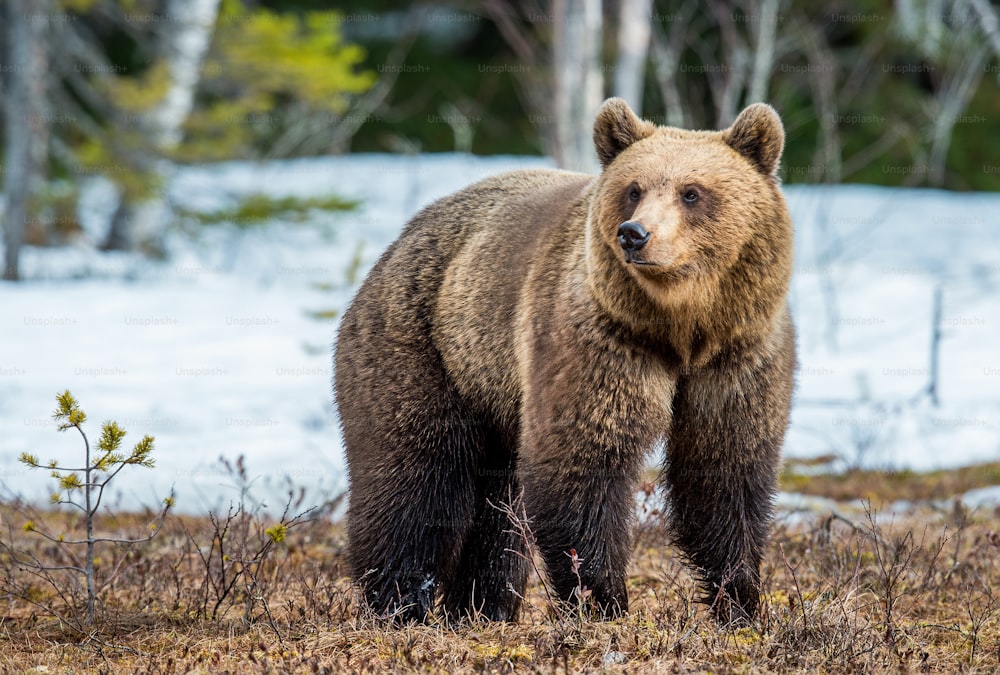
<point x="224" y="347"/>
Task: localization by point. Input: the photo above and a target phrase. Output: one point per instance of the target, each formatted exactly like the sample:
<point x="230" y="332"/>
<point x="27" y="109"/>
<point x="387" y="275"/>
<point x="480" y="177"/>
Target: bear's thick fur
<point x="531" y="339"/>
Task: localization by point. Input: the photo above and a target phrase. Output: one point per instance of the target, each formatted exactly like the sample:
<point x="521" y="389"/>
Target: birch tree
<point x="139" y="223"/>
<point x="763" y="60"/>
<point x="633" y="48"/>
<point x="578" y="81"/>
<point x="24" y="119"/>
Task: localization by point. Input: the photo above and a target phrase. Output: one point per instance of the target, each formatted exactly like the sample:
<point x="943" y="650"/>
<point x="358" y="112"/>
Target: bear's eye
<point x="690" y="196"/>
<point x="633" y="193"/>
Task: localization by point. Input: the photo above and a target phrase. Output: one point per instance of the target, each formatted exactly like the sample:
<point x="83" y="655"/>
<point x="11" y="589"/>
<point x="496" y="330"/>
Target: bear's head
<point x="692" y="221"/>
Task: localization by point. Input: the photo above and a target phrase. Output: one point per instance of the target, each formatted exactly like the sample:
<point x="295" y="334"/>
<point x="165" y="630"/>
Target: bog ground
<point x="845" y="592"/>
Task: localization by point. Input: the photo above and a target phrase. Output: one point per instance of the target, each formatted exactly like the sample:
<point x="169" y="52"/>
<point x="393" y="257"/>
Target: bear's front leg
<point x="587" y="424"/>
<point x="721" y="471"/>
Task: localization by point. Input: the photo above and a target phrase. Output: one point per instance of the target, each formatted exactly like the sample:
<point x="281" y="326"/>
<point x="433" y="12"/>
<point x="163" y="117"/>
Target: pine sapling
<point x="85" y="494"/>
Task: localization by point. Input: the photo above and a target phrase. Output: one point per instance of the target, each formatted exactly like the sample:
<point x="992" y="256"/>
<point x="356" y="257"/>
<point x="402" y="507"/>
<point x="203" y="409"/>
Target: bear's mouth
<point x="632" y="258"/>
<point x="663" y="272"/>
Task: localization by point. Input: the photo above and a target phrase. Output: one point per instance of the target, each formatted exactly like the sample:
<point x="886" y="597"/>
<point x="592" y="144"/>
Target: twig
<point x="798" y="589"/>
<point x="932" y="384"/>
<point x="522" y="530"/>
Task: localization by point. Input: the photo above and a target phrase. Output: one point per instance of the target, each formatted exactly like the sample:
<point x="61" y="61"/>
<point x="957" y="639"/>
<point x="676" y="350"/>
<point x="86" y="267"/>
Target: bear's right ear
<point x="616" y="128"/>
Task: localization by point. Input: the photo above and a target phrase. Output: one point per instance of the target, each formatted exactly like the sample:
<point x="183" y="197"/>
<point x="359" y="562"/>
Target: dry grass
<point x="888" y="486"/>
<point x="842" y="594"/>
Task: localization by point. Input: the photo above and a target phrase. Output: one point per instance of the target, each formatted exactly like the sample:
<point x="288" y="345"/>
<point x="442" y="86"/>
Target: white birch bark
<point x="633" y="47"/>
<point x="183" y="45"/>
<point x="763" y="60"/>
<point x="578" y="81"/>
<point x="25" y="128"/>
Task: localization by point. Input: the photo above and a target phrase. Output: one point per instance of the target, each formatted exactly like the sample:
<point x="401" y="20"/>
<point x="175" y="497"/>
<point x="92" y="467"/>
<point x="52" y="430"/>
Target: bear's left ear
<point x="616" y="128"/>
<point x="758" y="135"/>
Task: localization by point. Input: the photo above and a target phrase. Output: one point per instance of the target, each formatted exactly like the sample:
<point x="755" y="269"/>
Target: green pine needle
<point x="277" y="533"/>
<point x="70" y="482"/>
<point x="111" y="437"/>
<point x="68" y="409"/>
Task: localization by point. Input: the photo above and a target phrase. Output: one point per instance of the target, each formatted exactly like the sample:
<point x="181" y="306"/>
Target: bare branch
<point x="951" y="100"/>
<point x="666" y="51"/>
<point x="989" y="23"/>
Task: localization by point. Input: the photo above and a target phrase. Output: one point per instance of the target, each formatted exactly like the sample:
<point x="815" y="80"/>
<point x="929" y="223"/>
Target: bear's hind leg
<point x="411" y="448"/>
<point x="492" y="573"/>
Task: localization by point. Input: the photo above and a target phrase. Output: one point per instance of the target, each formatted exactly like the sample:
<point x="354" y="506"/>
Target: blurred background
<point x="193" y="189"/>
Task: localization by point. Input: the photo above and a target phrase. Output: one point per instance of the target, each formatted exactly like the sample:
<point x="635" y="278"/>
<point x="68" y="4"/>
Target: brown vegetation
<point x="887" y="486"/>
<point x="861" y="592"/>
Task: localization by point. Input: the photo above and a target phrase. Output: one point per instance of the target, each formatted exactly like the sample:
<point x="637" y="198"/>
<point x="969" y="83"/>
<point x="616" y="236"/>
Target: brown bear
<point x="532" y="338"/>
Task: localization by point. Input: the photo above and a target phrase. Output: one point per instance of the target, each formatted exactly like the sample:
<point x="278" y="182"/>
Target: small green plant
<point x="353" y="273"/>
<point x="259" y="209"/>
<point x="238" y="560"/>
<point x="85" y="494"/>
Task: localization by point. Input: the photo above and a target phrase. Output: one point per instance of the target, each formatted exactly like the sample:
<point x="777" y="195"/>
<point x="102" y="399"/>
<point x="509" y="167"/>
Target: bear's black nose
<point x="632" y="236"/>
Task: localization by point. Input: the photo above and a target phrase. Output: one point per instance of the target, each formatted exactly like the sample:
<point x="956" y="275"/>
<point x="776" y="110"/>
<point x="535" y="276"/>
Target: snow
<point x="868" y="261"/>
<point x="982" y="498"/>
<point x="223" y="348"/>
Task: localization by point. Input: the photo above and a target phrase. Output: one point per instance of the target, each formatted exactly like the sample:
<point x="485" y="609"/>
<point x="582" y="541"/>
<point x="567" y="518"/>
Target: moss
<point x="323" y="314"/>
<point x="889" y="486"/>
<point x="259" y="209"/>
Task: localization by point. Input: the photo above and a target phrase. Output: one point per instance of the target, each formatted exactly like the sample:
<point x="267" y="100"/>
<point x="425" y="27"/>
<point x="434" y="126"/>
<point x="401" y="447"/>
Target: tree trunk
<point x="763" y="58"/>
<point x="633" y="47"/>
<point x="578" y="81"/>
<point x="25" y="119"/>
<point x="140" y="223"/>
<point x="184" y="48"/>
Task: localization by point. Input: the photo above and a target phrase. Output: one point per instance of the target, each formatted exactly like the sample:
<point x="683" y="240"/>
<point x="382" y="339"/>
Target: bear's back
<point x="453" y="278"/>
<point x="515" y="217"/>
